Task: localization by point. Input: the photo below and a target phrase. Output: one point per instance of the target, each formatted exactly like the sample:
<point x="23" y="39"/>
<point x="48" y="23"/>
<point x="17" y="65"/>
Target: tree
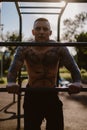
<point x="7" y="56"/>
<point x="73" y="31"/>
<point x="74" y="26"/>
<point x="82" y="51"/>
<point x="12" y="37"/>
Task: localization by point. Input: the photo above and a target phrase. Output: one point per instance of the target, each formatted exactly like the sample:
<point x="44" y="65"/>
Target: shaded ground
<point x="75" y="111"/>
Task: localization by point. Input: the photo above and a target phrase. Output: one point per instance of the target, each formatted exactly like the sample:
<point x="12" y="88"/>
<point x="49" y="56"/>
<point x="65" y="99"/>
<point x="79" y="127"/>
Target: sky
<point x="10" y="20"/>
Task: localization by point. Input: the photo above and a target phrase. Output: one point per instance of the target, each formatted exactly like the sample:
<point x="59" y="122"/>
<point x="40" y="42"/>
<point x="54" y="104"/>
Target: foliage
<point x="74" y="26"/>
<point x="12" y="37"/>
<point x="73" y="31"/>
<point x="82" y="51"/>
<point x="2" y="81"/>
<point x="7" y="56"/>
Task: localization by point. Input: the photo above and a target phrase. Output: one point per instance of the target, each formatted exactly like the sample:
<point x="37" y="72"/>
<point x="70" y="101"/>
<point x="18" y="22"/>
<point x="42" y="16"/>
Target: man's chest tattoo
<point x="48" y="58"/>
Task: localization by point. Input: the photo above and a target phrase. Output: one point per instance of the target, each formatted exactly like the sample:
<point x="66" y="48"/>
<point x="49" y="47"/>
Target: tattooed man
<point x="42" y="64"/>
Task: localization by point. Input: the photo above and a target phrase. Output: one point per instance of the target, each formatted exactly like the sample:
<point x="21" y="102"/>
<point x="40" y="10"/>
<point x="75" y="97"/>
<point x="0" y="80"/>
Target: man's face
<point x="41" y="31"/>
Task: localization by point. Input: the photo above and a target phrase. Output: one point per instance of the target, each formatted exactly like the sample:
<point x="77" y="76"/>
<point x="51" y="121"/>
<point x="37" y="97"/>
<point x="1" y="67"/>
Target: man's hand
<point x="12" y="88"/>
<point x="74" y="88"/>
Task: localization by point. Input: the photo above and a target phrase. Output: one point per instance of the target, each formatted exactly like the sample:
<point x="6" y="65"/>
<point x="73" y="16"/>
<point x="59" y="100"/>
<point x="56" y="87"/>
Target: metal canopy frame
<point x="21" y="11"/>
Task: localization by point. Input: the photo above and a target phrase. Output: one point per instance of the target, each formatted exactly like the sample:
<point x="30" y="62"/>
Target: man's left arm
<point x="71" y="65"/>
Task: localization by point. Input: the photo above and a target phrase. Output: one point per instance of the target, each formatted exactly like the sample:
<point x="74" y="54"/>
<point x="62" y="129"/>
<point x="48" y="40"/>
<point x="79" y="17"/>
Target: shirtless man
<point x="42" y="65"/>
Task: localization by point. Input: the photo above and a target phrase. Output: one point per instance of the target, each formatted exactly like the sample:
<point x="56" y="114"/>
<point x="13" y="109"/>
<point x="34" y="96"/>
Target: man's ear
<point x="33" y="32"/>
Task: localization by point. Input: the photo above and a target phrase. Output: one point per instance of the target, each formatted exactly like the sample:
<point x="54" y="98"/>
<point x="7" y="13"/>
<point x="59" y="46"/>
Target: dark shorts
<point x="39" y="105"/>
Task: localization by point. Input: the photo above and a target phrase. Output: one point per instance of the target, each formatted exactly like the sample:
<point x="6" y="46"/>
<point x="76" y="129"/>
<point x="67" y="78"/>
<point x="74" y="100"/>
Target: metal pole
<point x="0" y="23"/>
<point x="19" y="75"/>
<point x="1" y="65"/>
<point x="1" y="39"/>
<point x="59" y="19"/>
<point x="70" y="44"/>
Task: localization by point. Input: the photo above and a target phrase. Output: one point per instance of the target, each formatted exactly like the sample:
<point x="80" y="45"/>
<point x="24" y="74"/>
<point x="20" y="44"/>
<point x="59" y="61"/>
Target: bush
<point x="1" y="81"/>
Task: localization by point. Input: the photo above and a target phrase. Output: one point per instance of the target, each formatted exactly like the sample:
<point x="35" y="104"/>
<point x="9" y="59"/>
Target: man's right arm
<point x="15" y="66"/>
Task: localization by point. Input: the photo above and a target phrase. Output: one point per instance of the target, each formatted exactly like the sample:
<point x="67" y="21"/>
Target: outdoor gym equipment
<point x="18" y="116"/>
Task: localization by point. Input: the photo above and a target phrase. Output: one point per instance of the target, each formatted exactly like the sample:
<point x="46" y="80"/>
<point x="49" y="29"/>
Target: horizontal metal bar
<point x="39" y="13"/>
<point x="79" y="44"/>
<point x="39" y="7"/>
<point x="45" y="89"/>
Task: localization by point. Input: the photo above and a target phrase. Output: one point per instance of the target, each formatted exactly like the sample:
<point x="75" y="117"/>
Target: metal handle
<point x="52" y="89"/>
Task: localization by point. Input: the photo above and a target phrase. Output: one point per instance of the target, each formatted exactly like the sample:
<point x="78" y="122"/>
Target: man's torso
<point x="42" y="65"/>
